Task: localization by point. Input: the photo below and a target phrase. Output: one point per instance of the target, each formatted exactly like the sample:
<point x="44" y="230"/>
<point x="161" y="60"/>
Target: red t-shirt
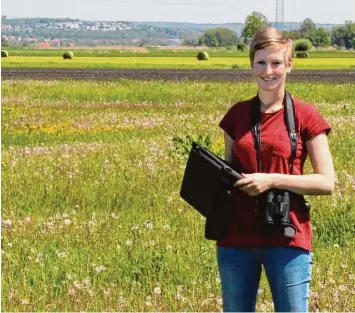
<point x="275" y="153"/>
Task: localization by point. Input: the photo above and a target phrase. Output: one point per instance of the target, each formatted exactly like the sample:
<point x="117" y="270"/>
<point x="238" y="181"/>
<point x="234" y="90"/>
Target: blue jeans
<point x="287" y="269"/>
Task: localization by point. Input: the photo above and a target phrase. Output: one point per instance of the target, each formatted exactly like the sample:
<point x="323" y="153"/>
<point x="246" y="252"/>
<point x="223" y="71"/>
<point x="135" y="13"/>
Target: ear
<point x="289" y="65"/>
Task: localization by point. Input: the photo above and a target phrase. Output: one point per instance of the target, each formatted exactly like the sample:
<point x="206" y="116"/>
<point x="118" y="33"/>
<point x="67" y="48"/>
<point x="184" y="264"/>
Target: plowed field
<point x="334" y="76"/>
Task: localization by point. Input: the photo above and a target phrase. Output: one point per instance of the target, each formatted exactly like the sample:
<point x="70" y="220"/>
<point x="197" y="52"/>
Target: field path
<point x="334" y="76"/>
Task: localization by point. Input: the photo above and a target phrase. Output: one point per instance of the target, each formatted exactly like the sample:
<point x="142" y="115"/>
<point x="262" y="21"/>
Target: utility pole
<point x="279" y="14"/>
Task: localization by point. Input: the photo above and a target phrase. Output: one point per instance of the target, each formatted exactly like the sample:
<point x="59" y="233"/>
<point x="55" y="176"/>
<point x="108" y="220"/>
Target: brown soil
<point x="332" y="76"/>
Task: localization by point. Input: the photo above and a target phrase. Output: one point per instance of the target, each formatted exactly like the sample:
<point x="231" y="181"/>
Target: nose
<point x="268" y="68"/>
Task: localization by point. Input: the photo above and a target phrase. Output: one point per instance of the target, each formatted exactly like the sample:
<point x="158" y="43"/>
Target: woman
<point x="250" y="245"/>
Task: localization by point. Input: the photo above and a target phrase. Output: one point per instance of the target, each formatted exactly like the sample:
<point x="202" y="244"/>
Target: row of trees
<point x="342" y="36"/>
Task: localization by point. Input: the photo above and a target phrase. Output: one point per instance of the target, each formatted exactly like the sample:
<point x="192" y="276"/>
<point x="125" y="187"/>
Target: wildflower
<point x="114" y="216"/>
<point x="107" y="292"/>
<point x="336" y="245"/>
<point x="260" y="291"/>
<point x="28" y="219"/>
<point x="118" y="246"/>
<point x="157" y="291"/>
<point x="342" y="288"/>
<point x="6" y="223"/>
<point x="77" y="284"/>
<point x="100" y="268"/>
<point x="129" y="243"/>
<point x="9" y="244"/>
<point x="219" y="301"/>
<point x="148" y="303"/>
<point x="67" y="222"/>
<point x="149" y="225"/>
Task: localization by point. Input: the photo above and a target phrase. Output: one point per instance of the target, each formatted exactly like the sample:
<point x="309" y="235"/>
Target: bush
<point x="241" y="46"/>
<point x="235" y="66"/>
<point x="302" y="55"/>
<point x="303" y="45"/>
<point x="4" y="54"/>
<point x="202" y="55"/>
<point x="68" y="55"/>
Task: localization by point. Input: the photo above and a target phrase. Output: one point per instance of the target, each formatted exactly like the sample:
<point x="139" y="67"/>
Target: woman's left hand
<point x="254" y="184"/>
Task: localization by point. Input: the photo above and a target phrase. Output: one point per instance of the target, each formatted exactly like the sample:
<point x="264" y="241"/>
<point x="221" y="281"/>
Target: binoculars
<point x="277" y="211"/>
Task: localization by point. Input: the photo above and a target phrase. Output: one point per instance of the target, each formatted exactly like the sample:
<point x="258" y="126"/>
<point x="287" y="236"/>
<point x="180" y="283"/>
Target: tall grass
<point x="91" y="214"/>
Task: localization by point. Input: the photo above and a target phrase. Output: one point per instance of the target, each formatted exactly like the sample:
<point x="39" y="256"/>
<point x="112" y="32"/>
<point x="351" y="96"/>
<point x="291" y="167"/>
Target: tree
<point x="343" y="36"/>
<point x="306" y="26"/>
<point x="319" y="37"/>
<point x="219" y="37"/>
<point x="253" y="23"/>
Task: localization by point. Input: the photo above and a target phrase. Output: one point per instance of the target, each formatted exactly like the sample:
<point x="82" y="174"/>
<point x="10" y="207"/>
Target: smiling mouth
<point x="268" y="80"/>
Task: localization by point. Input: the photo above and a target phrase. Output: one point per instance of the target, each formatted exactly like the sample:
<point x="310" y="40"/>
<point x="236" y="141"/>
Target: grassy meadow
<point x="91" y="214"/>
<point x="147" y="61"/>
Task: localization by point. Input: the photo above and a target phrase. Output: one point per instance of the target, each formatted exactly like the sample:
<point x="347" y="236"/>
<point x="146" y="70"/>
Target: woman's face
<point x="270" y="68"/>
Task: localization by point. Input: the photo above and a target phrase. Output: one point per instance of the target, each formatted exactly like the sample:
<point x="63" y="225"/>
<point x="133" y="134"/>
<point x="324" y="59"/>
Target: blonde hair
<point x="267" y="37"/>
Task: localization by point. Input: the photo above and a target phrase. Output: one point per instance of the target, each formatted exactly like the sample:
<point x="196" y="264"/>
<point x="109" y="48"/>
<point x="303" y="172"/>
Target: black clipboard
<point x="207" y="182"/>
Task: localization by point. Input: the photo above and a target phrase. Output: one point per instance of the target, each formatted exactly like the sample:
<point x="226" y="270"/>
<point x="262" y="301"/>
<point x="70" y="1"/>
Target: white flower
<point x="118" y="246"/>
<point x="77" y="284"/>
<point x="148" y="303"/>
<point x="100" y="268"/>
<point x="6" y="222"/>
<point x="67" y="222"/>
<point x="336" y="245"/>
<point x="28" y="219"/>
<point x="149" y="225"/>
<point x="157" y="290"/>
<point x="10" y="244"/>
<point x="129" y="243"/>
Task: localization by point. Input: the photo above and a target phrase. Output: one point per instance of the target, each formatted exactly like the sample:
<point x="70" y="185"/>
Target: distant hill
<point x="66" y="31"/>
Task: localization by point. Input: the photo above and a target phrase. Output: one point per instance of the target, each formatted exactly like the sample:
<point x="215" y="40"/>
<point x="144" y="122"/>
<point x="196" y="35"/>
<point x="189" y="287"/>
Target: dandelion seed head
<point x="157" y="290"/>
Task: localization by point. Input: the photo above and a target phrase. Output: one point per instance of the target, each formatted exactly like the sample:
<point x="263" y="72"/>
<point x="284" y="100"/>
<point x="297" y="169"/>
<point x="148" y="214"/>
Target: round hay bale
<point x="4" y="54"/>
<point x="202" y="56"/>
<point x="68" y="55"/>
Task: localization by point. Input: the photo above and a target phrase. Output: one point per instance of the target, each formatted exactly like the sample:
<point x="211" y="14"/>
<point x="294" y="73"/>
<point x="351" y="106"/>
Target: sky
<point x="191" y="11"/>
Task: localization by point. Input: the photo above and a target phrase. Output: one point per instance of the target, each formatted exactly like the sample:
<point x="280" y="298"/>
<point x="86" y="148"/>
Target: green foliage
<point x="202" y="56"/>
<point x="4" y="54"/>
<point x="343" y="36"/>
<point x="241" y="46"/>
<point x="302" y="55"/>
<point x="219" y="37"/>
<point x="319" y="37"/>
<point x="183" y="145"/>
<point x="68" y="55"/>
<point x="253" y="23"/>
<point x="235" y="66"/>
<point x="303" y="45"/>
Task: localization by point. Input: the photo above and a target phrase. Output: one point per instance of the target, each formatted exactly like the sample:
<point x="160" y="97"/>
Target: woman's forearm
<point x="312" y="184"/>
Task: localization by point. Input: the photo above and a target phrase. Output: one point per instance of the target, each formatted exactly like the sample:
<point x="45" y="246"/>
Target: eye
<point x="261" y="62"/>
<point x="276" y="62"/>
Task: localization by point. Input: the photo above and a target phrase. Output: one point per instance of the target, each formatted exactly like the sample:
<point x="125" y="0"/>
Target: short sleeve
<point x="227" y="122"/>
<point x="313" y="123"/>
